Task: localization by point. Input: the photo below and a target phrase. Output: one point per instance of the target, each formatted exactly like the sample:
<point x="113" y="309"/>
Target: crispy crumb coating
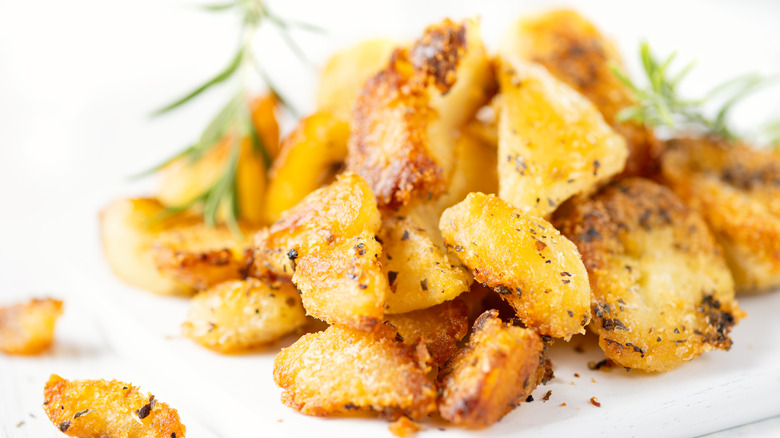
<point x="28" y="328"/>
<point x="100" y="408"/>
<point x="498" y="369"/>
<point x="553" y="143"/>
<point x="575" y="52"/>
<point x="342" y="369"/>
<point x="404" y="427"/>
<point x="523" y="258"/>
<point x="662" y="293"/>
<point x="736" y="188"/>
<point x="237" y="315"/>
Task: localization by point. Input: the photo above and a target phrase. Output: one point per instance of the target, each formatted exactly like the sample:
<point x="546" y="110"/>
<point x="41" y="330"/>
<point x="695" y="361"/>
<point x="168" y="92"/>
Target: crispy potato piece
<point x="238" y="315"/>
<point x="28" y="328"/>
<point x="344" y="284"/>
<point x="128" y="231"/>
<point x="309" y="158"/>
<point x="553" y="143"/>
<point x="498" y="369"/>
<point x="328" y="216"/>
<point x="265" y="122"/>
<point x="439" y="328"/>
<point x="99" y="408"/>
<point x="662" y="293"/>
<point x="419" y="272"/>
<point x="736" y="189"/>
<point x="341" y="369"/>
<point x="347" y="71"/>
<point x="575" y="52"/>
<point x="200" y="256"/>
<point x="525" y="259"/>
<point x="404" y="427"/>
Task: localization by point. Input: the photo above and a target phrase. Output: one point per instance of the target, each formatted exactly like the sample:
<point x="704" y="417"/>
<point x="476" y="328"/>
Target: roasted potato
<point x="439" y="328"/>
<point x="553" y="143"/>
<point x="498" y="369"/>
<point x="242" y="314"/>
<point x="575" y="52"/>
<point x="344" y="283"/>
<point x="310" y="157"/>
<point x="28" y="328"/>
<point x="99" y="408"/>
<point x="328" y="216"/>
<point x="265" y="123"/>
<point x="662" y="293"/>
<point x="523" y="258"/>
<point x="342" y="369"/>
<point x="736" y="188"/>
<point x="419" y="273"/>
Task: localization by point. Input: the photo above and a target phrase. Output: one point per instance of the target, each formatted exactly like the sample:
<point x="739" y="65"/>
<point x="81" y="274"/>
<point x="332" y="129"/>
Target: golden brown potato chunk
<point x="264" y="120"/>
<point x="99" y="408"/>
<point x="242" y="314"/>
<point x="575" y="52"/>
<point x="419" y="273"/>
<point x="525" y="259"/>
<point x="736" y="188"/>
<point x="662" y="293"/>
<point x="328" y="216"/>
<point x="344" y="284"/>
<point x="439" y="328"/>
<point x="341" y="370"/>
<point x="498" y="369"/>
<point x="310" y="157"/>
<point x="553" y="143"/>
<point x="28" y="328"/>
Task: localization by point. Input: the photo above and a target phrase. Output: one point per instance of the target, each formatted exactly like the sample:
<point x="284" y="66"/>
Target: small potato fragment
<point x="341" y="369"/>
<point x="499" y="368"/>
<point x="239" y="315"/>
<point x="736" y="188"/>
<point x="264" y="120"/>
<point x="662" y="293"/>
<point x="419" y="273"/>
<point x="344" y="284"/>
<point x="310" y="156"/>
<point x="327" y="216"/>
<point x="525" y="259"/>
<point x="28" y="328"/>
<point x="553" y="143"/>
<point x="99" y="408"/>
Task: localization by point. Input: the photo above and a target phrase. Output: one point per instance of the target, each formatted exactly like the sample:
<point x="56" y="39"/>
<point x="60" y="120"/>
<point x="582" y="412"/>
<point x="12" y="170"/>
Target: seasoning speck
<point x="595" y="402"/>
<point x="529" y="399"/>
<point x="546" y="396"/>
<point x="82" y="413"/>
<point x="64" y="426"/>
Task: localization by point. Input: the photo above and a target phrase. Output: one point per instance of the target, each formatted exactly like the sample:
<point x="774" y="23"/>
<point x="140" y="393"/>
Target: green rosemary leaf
<point x="272" y="87"/>
<point x="217" y="7"/>
<point x="218" y="127"/>
<point x="224" y="185"/>
<point x="161" y="165"/>
<point x="258" y="145"/>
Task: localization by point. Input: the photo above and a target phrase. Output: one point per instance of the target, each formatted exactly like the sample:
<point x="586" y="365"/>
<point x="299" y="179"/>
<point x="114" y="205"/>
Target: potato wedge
<point x="344" y="283"/>
<point x="28" y="328"/>
<point x="328" y="216"/>
<point x="525" y="259"/>
<point x="553" y="143"/>
<point x="662" y="293"/>
<point x="242" y="314"/>
<point x="736" y="188"/>
<point x="575" y="52"/>
<point x="265" y="123"/>
<point x="342" y="369"/>
<point x="100" y="408"/>
<point x="499" y="368"/>
<point x="310" y="157"/>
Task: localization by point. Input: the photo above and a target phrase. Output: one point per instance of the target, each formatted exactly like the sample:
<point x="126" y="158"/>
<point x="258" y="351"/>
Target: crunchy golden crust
<point x="404" y="427"/>
<point x="496" y="371"/>
<point x="327" y="216"/>
<point x="28" y="328"/>
<point x="525" y="259"/>
<point x="341" y="370"/>
<point x="553" y="143"/>
<point x="439" y="328"/>
<point x="99" y="408"/>
<point x="662" y="293"/>
<point x="238" y="315"/>
<point x="736" y="188"/>
<point x="575" y="52"/>
<point x="344" y="284"/>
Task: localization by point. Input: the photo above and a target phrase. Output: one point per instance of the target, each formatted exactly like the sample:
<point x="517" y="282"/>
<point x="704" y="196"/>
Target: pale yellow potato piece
<point x="264" y="109"/>
<point x="309" y="158"/>
<point x="525" y="259"/>
<point x="28" y="328"/>
<point x="553" y="143"/>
